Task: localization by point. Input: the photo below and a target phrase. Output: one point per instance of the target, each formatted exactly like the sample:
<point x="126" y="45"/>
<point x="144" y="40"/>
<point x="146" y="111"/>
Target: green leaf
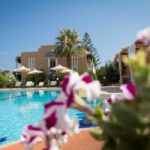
<point x="97" y="133"/>
<point x="99" y="113"/>
<point x="126" y="116"/>
<point x="110" y="128"/>
<point x="92" y="119"/>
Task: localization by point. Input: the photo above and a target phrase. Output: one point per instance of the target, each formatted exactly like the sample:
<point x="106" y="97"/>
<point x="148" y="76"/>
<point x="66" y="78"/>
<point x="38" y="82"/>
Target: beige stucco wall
<point x="139" y="46"/>
<point x="82" y="63"/>
<point x="41" y="61"/>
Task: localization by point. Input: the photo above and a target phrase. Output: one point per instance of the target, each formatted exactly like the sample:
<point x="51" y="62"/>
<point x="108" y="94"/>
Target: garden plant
<point x="123" y="122"/>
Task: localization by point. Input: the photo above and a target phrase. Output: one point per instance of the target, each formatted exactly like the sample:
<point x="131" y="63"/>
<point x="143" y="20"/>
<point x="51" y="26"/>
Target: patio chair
<point x="41" y="84"/>
<point x="29" y="84"/>
<point x="53" y="83"/>
<point x="18" y="84"/>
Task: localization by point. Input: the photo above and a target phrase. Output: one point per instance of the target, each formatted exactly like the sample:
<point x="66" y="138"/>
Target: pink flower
<point x="91" y="87"/>
<point x="35" y="131"/>
<point x="56" y="124"/>
<point x="29" y="140"/>
<point x="73" y="83"/>
<point x="114" y="98"/>
<point x="144" y="36"/>
<point x="129" y="91"/>
<point x="109" y="101"/>
<point x="56" y="116"/>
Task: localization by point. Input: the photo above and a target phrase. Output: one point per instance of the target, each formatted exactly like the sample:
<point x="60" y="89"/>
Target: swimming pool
<point x="20" y="108"/>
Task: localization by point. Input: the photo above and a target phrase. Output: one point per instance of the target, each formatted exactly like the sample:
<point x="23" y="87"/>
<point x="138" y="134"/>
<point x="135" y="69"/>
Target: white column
<point x="120" y="69"/>
<point x="131" y="50"/>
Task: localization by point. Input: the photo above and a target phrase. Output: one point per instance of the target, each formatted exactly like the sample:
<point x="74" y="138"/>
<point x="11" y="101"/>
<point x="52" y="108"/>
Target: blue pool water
<point x="20" y="108"/>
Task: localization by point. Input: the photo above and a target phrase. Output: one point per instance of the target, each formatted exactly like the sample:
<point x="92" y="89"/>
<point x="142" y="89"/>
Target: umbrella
<point x="22" y="69"/>
<point x="66" y="70"/>
<point x="61" y="68"/>
<point x="35" y="71"/>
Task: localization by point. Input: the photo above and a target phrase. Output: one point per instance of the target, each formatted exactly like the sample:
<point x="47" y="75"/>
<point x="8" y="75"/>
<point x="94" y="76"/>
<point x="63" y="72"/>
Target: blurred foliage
<point x="141" y="73"/>
<point x="68" y="43"/>
<point x="128" y="126"/>
<point x="92" y="55"/>
<point x="3" y="79"/>
<point x="18" y="59"/>
<point x="108" y="74"/>
<point x="60" y="76"/>
<point x="93" y="75"/>
<point x="80" y="71"/>
<point x="6" y="80"/>
<point x="17" y="75"/>
<point x="36" y="78"/>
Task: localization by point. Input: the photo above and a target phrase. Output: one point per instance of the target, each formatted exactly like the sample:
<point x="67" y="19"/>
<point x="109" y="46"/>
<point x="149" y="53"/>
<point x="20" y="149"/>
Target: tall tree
<point x="108" y="74"/>
<point x="68" y="44"/>
<point x="92" y="55"/>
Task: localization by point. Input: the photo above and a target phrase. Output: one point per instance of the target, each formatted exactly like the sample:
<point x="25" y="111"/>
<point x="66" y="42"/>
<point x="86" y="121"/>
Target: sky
<point x="25" y="25"/>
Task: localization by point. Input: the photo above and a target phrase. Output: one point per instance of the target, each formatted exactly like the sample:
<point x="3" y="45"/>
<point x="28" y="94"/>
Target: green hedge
<point x="5" y="80"/>
<point x="36" y="78"/>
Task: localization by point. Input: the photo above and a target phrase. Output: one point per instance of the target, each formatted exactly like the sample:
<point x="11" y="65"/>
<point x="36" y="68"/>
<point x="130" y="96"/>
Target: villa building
<point x="125" y="72"/>
<point x="44" y="59"/>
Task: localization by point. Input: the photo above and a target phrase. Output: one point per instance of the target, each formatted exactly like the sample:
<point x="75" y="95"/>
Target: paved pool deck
<point x="81" y="141"/>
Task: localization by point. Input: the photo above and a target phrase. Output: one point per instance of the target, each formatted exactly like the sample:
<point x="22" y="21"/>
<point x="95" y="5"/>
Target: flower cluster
<point x="128" y="93"/>
<point x="55" y="125"/>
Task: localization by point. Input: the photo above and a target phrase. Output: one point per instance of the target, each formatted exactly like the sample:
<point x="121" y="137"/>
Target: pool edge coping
<point x="16" y="142"/>
<point x="34" y="88"/>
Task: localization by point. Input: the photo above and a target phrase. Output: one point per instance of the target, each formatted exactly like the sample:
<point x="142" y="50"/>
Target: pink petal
<point x="32" y="138"/>
<point x="70" y="99"/>
<point x="51" y="120"/>
<point x="87" y="78"/>
<point x="129" y="91"/>
<point x="30" y="127"/>
<point x="65" y="84"/>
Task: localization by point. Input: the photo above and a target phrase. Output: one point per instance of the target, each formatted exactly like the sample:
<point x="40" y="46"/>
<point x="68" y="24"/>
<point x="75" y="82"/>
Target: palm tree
<point x="68" y="44"/>
<point x="18" y="60"/>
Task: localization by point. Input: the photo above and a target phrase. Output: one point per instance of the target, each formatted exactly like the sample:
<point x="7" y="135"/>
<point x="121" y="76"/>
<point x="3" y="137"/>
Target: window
<point x="31" y="63"/>
<point x="52" y="62"/>
<point x="49" y="54"/>
<point x="74" y="62"/>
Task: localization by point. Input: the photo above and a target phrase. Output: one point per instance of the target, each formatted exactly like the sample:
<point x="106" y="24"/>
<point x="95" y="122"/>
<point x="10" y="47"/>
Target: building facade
<point x="44" y="59"/>
<point x="126" y="72"/>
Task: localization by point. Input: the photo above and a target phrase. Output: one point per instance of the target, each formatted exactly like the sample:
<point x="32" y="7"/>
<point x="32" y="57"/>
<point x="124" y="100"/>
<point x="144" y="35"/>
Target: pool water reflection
<point x="19" y="108"/>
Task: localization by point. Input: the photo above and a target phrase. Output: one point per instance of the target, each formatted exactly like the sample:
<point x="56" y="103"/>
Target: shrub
<point x="108" y="74"/>
<point x="93" y="75"/>
<point x="17" y="75"/>
<point x="128" y="126"/>
<point x="36" y="78"/>
<point x="4" y="80"/>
